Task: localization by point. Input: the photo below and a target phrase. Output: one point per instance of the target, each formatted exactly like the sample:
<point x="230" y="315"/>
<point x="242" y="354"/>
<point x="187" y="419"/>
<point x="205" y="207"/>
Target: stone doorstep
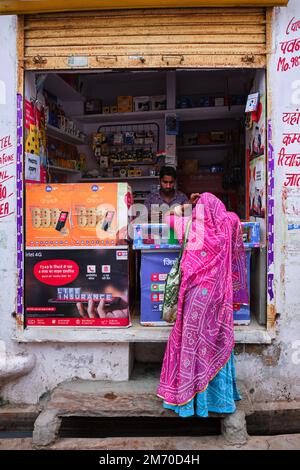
<point x="132" y="398"/>
<point x="20" y="414"/>
<point x="135" y="397"/>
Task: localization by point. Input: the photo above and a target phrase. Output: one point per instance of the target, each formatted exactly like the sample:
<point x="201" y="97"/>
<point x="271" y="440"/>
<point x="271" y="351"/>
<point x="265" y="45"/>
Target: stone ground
<point x="279" y="442"/>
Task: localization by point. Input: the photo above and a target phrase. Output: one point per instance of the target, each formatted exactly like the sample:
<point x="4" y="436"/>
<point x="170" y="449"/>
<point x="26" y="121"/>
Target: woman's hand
<point x="194" y="198"/>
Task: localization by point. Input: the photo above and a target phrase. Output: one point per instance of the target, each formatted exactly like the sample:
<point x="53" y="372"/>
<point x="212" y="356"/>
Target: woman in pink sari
<point x="198" y="373"/>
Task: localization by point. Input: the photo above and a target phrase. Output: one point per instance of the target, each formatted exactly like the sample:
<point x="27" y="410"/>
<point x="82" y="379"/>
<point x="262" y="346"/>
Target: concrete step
<point x="136" y="397"/>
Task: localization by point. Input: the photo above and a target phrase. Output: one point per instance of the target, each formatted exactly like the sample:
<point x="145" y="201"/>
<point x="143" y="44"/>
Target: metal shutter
<point x="181" y="37"/>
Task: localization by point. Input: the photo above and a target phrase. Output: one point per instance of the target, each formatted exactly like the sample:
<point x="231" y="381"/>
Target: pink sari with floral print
<point x="213" y="279"/>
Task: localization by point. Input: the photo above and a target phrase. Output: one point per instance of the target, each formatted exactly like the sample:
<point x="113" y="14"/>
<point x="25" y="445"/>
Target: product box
<point x="251" y="234"/>
<point x="113" y="109"/>
<point x="93" y="107"/>
<point x="190" y="139"/>
<point x="154" y="236"/>
<point x="141" y="103"/>
<point x="48" y="215"/>
<point x="77" y="214"/>
<point x="86" y="288"/>
<point x="158" y="102"/>
<point x="218" y="136"/>
<point x="203" y="138"/>
<point x="219" y="101"/>
<point x="155" y="266"/>
<point x="124" y="104"/>
<point x="241" y="313"/>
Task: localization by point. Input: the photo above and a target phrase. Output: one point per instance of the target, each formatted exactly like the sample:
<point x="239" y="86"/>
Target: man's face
<point x="167" y="184"/>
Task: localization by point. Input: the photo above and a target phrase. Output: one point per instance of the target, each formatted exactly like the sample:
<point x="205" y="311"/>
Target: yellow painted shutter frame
<point x="14" y="7"/>
<point x="183" y="37"/>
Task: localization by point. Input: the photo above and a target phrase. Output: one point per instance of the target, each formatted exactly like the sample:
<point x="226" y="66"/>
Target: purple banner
<point x="20" y="203"/>
<point x="271" y="167"/>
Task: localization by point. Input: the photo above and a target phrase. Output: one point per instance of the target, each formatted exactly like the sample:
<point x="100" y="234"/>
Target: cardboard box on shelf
<point x="124" y="104"/>
<point x="113" y="109"/>
<point x="217" y="136"/>
<point x="158" y="102"/>
<point x="93" y="106"/>
<point x="141" y="103"/>
<point x="85" y="288"/>
<point x="189" y="167"/>
<point x="203" y="138"/>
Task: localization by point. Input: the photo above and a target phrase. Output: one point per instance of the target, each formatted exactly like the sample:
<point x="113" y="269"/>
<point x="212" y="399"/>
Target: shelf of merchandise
<point x="131" y="162"/>
<point x="60" y="88"/>
<point x="57" y="133"/>
<point x="204" y="147"/>
<point x="120" y="117"/>
<point x="118" y="178"/>
<point x="63" y="170"/>
<point x="185" y="114"/>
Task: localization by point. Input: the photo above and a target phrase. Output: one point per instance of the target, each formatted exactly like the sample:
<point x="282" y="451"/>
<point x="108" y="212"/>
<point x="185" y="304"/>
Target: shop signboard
<point x="77" y="287"/>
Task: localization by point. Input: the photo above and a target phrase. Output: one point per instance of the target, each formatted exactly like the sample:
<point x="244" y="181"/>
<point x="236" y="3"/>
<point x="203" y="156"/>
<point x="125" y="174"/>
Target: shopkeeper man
<point x="167" y="197"/>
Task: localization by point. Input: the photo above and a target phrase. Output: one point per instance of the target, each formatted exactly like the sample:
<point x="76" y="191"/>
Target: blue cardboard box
<point x="154" y="236"/>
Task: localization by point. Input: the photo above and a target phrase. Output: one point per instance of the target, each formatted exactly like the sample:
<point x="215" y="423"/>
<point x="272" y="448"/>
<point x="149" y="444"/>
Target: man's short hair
<point x="167" y="171"/>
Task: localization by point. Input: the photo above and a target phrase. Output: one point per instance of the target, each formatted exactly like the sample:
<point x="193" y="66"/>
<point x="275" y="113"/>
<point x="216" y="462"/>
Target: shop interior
<point x="123" y="125"/>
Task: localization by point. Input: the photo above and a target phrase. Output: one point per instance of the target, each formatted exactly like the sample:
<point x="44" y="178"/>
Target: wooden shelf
<point x="60" y="88"/>
<point x="131" y="163"/>
<point x="216" y="112"/>
<point x="63" y="170"/>
<point x="120" y="117"/>
<point x="98" y="178"/>
<point x="57" y="133"/>
<point x="185" y="114"/>
<point x="204" y="147"/>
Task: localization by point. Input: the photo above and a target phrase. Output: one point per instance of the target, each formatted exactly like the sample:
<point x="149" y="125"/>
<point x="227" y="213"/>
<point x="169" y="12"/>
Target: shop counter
<point x="159" y="250"/>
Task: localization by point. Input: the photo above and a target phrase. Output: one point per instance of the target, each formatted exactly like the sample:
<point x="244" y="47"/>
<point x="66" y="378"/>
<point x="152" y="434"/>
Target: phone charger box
<point x="93" y="106"/>
<point x="219" y="101"/>
<point x="125" y="104"/>
<point x="141" y="103"/>
<point x="158" y="102"/>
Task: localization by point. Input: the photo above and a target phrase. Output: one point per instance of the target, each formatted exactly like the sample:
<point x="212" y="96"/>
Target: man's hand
<point x="194" y="198"/>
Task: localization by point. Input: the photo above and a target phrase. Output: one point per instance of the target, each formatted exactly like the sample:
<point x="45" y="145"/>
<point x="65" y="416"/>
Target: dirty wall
<point x="28" y="370"/>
